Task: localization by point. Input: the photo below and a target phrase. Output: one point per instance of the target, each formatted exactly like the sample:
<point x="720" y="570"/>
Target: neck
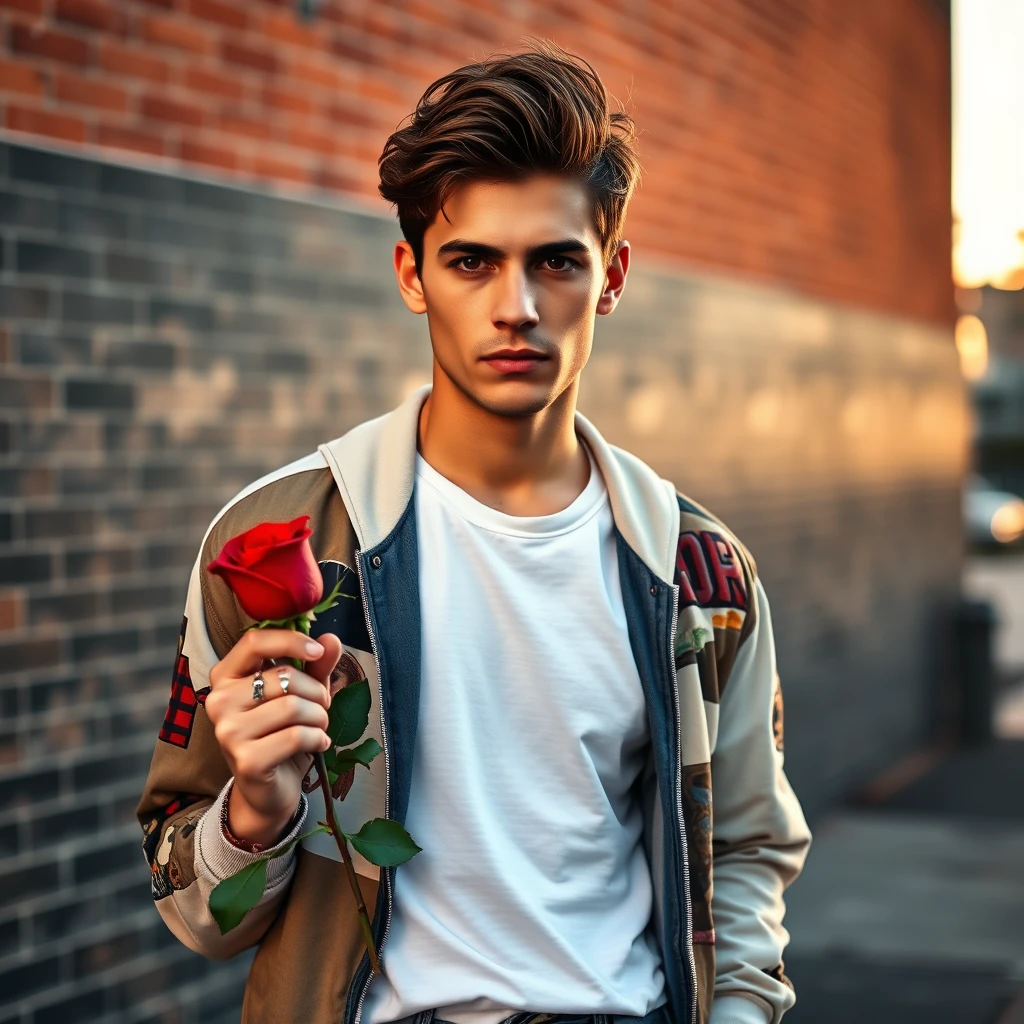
<point x="522" y="465"/>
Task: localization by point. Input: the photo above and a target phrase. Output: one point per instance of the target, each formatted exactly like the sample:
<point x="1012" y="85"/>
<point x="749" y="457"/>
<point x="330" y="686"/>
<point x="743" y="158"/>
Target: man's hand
<point x="268" y="744"/>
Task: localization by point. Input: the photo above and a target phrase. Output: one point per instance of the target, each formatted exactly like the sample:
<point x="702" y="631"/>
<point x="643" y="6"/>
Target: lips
<point x="510" y="360"/>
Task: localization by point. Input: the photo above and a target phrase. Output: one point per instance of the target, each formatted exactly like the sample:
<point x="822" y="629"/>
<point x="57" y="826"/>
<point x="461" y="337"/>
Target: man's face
<point x="511" y="282"/>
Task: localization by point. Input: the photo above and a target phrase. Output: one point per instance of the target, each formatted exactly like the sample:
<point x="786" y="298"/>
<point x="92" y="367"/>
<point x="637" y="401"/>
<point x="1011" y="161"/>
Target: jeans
<point x="656" y="1016"/>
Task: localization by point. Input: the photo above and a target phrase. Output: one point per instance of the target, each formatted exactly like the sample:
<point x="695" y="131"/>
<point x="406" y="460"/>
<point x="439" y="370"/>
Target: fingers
<point x="298" y="724"/>
<point x="258" y="645"/>
<point x="299" y="683"/>
<point x="233" y="696"/>
<point x="276" y="715"/>
<point x="324" y="665"/>
<point x="261" y="757"/>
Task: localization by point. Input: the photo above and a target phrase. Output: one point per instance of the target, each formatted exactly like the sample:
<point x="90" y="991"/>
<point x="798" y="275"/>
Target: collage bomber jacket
<point x="700" y="632"/>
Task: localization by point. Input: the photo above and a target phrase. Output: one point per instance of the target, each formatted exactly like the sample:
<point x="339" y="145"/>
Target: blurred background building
<point x="991" y="333"/>
<point x="195" y="288"/>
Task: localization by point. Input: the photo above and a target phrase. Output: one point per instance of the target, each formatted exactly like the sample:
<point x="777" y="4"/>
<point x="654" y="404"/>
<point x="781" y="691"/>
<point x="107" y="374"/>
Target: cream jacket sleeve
<point x="760" y="837"/>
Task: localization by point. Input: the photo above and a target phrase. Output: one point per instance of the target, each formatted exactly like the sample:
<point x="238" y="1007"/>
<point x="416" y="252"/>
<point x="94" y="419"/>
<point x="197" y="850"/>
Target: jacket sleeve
<point x="760" y="836"/>
<point x="180" y="809"/>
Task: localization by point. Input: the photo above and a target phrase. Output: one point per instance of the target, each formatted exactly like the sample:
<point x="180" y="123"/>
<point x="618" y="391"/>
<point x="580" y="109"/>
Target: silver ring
<point x="284" y="679"/>
<point x="257" y="685"/>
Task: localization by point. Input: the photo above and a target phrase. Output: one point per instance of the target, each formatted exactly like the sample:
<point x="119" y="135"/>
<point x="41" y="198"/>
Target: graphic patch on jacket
<point x="710" y="574"/>
<point x="346" y="620"/>
<point x="778" y="732"/>
<point x="345" y="673"/>
<point x="171" y="854"/>
<point x="697" y="817"/>
<point x="713" y="605"/>
<point x="181" y="708"/>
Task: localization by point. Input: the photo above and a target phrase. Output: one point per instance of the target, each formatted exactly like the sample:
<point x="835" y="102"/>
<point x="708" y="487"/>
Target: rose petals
<point x="271" y="570"/>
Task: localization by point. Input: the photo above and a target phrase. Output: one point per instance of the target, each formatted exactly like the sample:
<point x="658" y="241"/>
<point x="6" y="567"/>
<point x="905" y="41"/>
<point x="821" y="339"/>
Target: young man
<point x="563" y="650"/>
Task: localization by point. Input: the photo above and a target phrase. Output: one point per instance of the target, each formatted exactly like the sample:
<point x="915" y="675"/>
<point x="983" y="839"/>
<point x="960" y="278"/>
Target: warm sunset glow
<point x="988" y="142"/>
<point x="972" y="346"/>
<point x="1008" y="522"/>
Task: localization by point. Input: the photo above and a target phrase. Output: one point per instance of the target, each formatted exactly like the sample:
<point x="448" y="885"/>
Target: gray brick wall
<point x="165" y="341"/>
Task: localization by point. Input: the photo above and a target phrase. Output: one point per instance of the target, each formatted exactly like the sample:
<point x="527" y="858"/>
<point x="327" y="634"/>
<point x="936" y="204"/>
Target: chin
<point x="513" y="399"/>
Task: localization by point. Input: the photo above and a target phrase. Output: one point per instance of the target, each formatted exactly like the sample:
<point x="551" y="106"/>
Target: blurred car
<point x="992" y="518"/>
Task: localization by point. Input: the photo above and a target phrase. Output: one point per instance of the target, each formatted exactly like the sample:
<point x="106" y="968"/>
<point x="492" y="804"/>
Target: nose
<point x="515" y="305"/>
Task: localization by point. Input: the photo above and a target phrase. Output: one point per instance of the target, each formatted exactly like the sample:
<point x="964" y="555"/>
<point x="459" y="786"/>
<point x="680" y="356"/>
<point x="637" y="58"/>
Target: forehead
<point x="517" y="214"/>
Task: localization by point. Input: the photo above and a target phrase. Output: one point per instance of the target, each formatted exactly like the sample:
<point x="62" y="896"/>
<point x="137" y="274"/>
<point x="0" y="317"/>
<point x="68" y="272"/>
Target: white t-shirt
<point x="532" y="892"/>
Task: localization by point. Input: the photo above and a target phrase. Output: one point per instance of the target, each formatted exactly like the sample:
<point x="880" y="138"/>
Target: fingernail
<point x="313" y="649"/>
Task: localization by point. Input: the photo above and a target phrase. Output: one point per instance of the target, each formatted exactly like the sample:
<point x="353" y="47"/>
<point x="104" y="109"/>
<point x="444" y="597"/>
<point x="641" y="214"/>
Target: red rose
<point x="271" y="570"/>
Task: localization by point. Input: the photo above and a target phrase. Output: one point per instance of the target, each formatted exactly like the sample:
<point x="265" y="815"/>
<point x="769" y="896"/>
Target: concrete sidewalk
<point x="911" y="909"/>
<point x="912" y="912"/>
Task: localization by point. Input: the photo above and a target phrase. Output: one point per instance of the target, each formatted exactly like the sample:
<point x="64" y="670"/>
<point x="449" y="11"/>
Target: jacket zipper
<point x="387" y="773"/>
<point x="691" y="959"/>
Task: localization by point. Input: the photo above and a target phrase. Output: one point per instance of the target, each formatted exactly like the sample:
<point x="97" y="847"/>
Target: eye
<point x="468" y="263"/>
<point x="560" y="263"/>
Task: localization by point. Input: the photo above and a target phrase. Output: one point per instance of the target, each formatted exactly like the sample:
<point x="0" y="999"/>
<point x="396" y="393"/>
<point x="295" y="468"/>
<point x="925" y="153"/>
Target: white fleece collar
<point x="374" y="467"/>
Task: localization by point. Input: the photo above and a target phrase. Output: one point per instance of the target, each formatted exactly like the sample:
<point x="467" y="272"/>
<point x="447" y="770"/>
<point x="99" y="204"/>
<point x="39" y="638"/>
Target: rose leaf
<point x="350" y="713"/>
<point x="363" y="754"/>
<point x="233" y="898"/>
<point x="384" y="842"/>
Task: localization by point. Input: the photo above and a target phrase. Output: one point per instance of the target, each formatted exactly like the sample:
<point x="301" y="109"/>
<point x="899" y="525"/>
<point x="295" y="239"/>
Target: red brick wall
<point x="804" y="142"/>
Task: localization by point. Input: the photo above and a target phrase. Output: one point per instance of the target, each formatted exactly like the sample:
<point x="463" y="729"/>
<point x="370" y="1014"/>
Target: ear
<point x="409" y="284"/>
<point x="615" y="280"/>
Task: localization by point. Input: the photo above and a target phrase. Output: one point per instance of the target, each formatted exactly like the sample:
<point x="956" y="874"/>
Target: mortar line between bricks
<point x="102" y="980"/>
<point x="96" y="625"/>
<point x="27" y="678"/>
<point x="149" y="659"/>
<point x="45" y="808"/>
<point x="105" y="886"/>
<point x="97" y="621"/>
<point x="184" y="995"/>
<point x="228" y="976"/>
<point x="67" y="849"/>
<point x="105" y="542"/>
<point x="140" y="919"/>
<point x="190" y="997"/>
<point x="87" y="709"/>
<point x="107" y="665"/>
<point x="66" y="892"/>
<point x="65" y="760"/>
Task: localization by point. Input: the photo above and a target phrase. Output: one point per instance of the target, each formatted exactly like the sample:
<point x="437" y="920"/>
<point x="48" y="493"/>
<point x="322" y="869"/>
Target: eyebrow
<point x="464" y="247"/>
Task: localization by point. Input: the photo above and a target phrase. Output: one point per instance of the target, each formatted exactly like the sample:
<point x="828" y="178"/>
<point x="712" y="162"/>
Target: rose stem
<point x="342" y="844"/>
<point x="340" y="841"/>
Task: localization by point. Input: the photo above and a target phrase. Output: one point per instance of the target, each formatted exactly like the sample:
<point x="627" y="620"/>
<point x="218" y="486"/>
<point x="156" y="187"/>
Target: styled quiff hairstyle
<point x="503" y="119"/>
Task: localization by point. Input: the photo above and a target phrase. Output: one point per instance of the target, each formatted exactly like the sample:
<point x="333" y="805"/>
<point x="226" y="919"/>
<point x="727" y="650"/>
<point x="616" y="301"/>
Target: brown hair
<point x="502" y="119"/>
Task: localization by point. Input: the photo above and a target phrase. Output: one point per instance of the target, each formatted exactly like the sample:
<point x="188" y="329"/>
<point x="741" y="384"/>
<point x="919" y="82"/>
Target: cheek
<point x="453" y="315"/>
<point x="579" y="328"/>
<point x="582" y="342"/>
<point x="571" y="311"/>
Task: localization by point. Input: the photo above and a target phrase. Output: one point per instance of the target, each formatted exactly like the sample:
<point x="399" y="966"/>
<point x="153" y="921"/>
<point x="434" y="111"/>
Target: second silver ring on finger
<point x="257" y="686"/>
<point x="285" y="679"/>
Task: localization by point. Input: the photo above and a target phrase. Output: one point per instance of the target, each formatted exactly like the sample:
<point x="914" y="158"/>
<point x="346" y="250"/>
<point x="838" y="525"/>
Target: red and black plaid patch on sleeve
<point x="181" y="709"/>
